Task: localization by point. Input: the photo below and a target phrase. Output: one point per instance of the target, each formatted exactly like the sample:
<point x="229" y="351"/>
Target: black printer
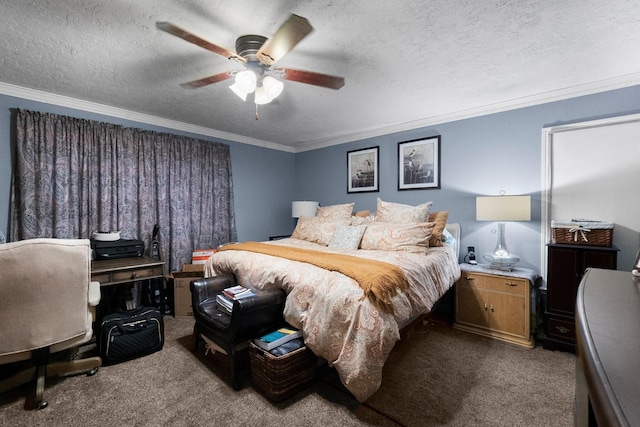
<point x="121" y="248"/>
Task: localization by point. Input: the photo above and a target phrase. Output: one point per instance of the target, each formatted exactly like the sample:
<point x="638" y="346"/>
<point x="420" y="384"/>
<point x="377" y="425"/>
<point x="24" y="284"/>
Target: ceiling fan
<point x="259" y="55"/>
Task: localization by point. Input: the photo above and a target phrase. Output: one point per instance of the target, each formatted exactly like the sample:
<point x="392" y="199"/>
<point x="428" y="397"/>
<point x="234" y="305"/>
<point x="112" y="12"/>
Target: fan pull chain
<point x="257" y="117"/>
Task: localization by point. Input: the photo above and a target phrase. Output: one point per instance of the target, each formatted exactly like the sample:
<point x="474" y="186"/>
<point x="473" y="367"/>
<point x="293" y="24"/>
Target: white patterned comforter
<point x="338" y="324"/>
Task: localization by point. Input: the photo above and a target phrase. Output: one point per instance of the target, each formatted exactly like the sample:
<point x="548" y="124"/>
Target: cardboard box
<point x="192" y="268"/>
<point x="181" y="291"/>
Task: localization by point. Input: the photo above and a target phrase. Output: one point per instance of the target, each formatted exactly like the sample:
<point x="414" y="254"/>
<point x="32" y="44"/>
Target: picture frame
<point x="363" y="170"/>
<point x="419" y="164"/>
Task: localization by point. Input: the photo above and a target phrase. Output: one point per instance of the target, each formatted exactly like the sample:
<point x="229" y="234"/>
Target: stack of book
<point x="228" y="295"/>
<point x="277" y="338"/>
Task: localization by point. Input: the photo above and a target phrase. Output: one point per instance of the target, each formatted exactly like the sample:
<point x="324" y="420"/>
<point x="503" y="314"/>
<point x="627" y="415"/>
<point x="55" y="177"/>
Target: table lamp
<point x="303" y="208"/>
<point x="502" y="209"/>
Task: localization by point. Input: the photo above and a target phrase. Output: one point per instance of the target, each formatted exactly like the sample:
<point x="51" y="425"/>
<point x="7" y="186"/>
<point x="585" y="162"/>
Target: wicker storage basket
<point x="591" y="233"/>
<point x="220" y="360"/>
<point x="280" y="377"/>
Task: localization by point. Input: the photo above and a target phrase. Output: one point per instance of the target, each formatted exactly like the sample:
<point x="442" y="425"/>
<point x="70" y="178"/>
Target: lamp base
<point x="504" y="263"/>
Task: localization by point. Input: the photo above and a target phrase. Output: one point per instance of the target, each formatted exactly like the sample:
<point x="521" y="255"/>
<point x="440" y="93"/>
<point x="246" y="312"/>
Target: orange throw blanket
<point x="379" y="280"/>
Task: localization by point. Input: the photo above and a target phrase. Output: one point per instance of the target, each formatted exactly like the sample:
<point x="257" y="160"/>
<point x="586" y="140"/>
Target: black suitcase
<point x="122" y="248"/>
<point x="130" y="334"/>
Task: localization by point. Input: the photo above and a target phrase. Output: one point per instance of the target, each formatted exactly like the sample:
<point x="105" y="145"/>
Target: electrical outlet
<point x="471" y="248"/>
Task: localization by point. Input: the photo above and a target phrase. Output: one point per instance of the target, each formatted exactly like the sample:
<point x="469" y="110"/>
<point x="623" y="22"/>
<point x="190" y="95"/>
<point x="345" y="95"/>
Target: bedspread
<point x="338" y="324"/>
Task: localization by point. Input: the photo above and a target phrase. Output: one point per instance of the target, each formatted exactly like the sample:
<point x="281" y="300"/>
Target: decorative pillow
<point x="396" y="212"/>
<point x="362" y="220"/>
<point x="440" y="218"/>
<point x="386" y="236"/>
<point x="347" y="236"/>
<point x="335" y="211"/>
<point x="316" y="230"/>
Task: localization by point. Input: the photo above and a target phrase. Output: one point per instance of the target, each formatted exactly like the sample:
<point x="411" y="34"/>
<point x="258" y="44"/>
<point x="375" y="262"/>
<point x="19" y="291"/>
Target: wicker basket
<point x="220" y="360"/>
<point x="280" y="377"/>
<point x="582" y="233"/>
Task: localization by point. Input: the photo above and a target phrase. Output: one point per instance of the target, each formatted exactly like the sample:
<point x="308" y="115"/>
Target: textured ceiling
<point x="406" y="64"/>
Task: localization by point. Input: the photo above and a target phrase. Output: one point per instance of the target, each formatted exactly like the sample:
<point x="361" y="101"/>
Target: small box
<point x="201" y="256"/>
<point x="182" y="292"/>
<point x="280" y="377"/>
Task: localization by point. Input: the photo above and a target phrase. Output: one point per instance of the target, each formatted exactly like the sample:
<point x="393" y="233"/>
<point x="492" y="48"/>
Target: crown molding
<point x="528" y="101"/>
<point x="121" y="113"/>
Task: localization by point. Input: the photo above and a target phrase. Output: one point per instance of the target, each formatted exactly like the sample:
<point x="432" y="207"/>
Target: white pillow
<point x="347" y="236"/>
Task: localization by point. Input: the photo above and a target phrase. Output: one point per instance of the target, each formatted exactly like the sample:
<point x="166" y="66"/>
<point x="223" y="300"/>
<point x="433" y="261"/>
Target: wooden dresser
<point x="565" y="266"/>
<point x="608" y="338"/>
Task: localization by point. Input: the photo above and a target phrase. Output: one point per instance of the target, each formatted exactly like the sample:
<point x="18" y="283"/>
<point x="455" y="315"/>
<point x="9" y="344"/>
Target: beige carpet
<point x="438" y="377"/>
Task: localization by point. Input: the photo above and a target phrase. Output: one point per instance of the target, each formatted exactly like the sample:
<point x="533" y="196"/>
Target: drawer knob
<point x="510" y="284"/>
<point x="133" y="275"/>
<point x="470" y="278"/>
<point x="562" y="329"/>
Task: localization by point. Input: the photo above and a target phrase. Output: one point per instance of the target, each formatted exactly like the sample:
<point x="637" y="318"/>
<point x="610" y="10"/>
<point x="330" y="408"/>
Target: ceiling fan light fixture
<point x="272" y="86"/>
<point x="236" y="89"/>
<point x="262" y="97"/>
<point x="246" y="81"/>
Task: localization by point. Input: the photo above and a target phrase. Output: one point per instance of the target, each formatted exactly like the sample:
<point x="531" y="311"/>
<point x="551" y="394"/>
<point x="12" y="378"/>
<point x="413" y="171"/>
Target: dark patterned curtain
<point x="73" y="177"/>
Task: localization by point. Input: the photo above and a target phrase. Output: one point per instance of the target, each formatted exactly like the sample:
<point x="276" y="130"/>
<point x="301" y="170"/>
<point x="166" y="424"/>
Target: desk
<point x="112" y="272"/>
<point x="608" y="365"/>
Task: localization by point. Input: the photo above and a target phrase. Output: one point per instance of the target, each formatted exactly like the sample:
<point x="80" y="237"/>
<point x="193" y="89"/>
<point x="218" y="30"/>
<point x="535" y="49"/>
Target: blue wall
<point x="262" y="178"/>
<point x="479" y="156"/>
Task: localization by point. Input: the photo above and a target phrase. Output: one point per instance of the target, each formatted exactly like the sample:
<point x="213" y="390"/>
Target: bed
<point x="342" y="322"/>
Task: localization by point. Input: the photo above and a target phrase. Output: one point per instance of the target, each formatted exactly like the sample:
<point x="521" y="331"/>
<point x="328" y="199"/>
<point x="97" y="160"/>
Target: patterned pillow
<point x="407" y="237"/>
<point x="316" y="230"/>
<point x="440" y="218"/>
<point x="396" y="212"/>
<point x="335" y="211"/>
<point x="347" y="236"/>
<point x="362" y="220"/>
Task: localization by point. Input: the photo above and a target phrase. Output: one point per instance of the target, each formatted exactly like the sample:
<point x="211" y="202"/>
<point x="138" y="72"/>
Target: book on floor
<point x="277" y="338"/>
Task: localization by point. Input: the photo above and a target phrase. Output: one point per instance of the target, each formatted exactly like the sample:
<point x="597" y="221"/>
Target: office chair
<point x="46" y="305"/>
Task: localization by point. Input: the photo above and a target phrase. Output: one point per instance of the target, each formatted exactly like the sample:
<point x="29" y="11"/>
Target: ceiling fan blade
<point x="208" y="80"/>
<point x="288" y="35"/>
<point x="172" y="29"/>
<point x="309" y="77"/>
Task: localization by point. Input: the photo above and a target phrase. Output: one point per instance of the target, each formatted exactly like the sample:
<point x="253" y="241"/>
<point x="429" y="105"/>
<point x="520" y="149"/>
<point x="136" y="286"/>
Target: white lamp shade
<point x="261" y="96"/>
<point x="246" y="81"/>
<point x="503" y="208"/>
<point x="273" y="87"/>
<point x="238" y="91"/>
<point x="304" y="208"/>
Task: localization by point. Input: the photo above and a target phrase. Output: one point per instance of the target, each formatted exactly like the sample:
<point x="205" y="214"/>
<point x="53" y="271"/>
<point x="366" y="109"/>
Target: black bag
<point x="130" y="334"/>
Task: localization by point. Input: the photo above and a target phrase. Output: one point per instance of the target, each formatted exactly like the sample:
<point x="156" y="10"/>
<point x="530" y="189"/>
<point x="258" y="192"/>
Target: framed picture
<point x="362" y="170"/>
<point x="419" y="164"/>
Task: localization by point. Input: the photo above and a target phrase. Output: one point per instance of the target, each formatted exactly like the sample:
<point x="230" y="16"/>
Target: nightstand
<point x="496" y="303"/>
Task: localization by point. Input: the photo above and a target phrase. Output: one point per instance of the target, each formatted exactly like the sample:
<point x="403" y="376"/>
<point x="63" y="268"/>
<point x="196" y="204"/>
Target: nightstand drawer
<point x="511" y="285"/>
